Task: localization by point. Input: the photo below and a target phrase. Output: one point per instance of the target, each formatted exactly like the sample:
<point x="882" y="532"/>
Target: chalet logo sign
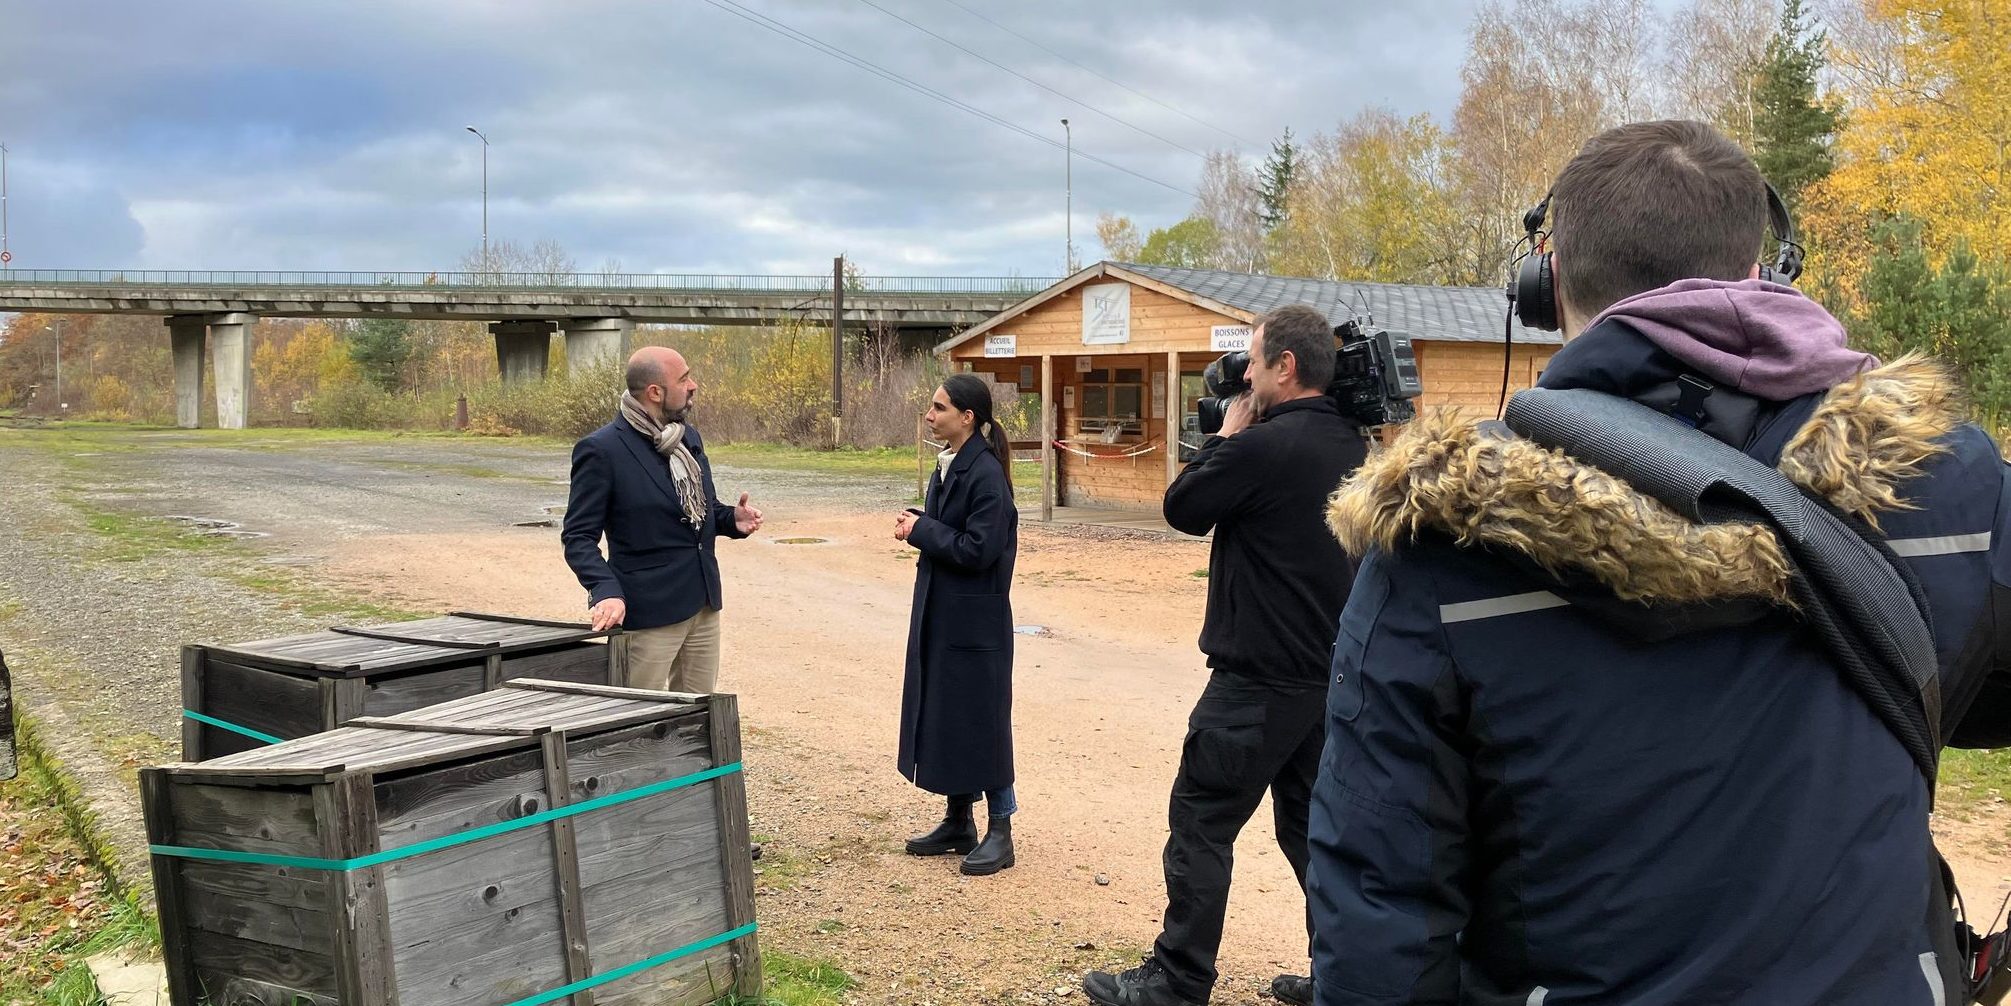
<point x="1106" y="314"/>
<point x="997" y="346"/>
<point x="1229" y="338"/>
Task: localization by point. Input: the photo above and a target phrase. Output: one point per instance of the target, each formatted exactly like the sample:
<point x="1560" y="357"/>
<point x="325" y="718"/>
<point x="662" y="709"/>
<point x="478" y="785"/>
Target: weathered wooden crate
<point x="247" y="695"/>
<point x="541" y="842"/>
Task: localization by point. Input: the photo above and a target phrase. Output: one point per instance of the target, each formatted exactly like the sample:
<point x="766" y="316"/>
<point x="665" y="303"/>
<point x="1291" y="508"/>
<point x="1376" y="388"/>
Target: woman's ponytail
<point x="969" y="393"/>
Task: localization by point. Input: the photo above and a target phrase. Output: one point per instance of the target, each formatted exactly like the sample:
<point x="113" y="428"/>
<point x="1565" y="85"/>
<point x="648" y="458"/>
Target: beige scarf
<point x="669" y="442"/>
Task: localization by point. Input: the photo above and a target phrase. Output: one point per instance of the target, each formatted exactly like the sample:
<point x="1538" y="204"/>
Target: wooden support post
<point x="1046" y="439"/>
<point x="492" y="671"/>
<point x="837" y="351"/>
<point x="566" y="866"/>
<point x="617" y="660"/>
<point x="1173" y="416"/>
<point x="723" y="714"/>
<point x="192" y="699"/>
<point x="345" y="812"/>
<point x="341" y="700"/>
<point x="168" y="894"/>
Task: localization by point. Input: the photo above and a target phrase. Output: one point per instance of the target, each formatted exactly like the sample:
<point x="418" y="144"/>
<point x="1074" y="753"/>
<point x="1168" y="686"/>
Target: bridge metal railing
<point x="528" y="281"/>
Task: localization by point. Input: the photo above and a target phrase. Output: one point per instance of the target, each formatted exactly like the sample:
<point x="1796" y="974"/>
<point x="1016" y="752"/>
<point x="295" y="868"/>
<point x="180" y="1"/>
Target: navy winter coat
<point x="956" y="701"/>
<point x="662" y="568"/>
<point x="1575" y="755"/>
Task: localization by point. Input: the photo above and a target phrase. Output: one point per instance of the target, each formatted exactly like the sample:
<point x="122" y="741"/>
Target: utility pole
<point x="485" y="195"/>
<point x="6" y="257"/>
<point x="837" y="350"/>
<point x="1068" y="183"/>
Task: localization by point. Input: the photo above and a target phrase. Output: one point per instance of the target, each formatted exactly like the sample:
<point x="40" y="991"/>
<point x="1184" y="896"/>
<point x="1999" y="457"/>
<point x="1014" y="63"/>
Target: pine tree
<point x="1794" y="128"/>
<point x="380" y="347"/>
<point x="1275" y="187"/>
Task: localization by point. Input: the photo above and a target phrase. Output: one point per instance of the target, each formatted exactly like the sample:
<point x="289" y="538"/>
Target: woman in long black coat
<point x="956" y="706"/>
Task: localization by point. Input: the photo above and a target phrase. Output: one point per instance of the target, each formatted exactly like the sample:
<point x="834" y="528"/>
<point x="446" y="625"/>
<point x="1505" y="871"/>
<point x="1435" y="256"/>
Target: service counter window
<point x="1112" y="403"/>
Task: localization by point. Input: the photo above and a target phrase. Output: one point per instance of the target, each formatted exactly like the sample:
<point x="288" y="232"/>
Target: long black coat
<point x="956" y="706"/>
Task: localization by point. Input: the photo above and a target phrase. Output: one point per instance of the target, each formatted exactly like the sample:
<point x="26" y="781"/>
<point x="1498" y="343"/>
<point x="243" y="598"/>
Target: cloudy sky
<point x="670" y="136"/>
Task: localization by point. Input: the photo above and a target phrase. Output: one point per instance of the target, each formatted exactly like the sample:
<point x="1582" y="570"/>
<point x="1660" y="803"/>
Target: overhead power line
<point x="771" y="24"/>
<point x="1094" y="72"/>
<point x="1001" y="66"/>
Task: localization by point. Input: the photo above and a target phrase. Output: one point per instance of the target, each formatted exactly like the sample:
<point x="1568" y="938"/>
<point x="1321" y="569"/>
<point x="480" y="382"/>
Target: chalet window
<point x="1113" y="398"/>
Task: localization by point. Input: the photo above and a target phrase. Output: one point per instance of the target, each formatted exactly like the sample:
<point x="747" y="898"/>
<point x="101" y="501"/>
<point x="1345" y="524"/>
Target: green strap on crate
<point x="232" y="727"/>
<point x="445" y="841"/>
<point x="643" y="965"/>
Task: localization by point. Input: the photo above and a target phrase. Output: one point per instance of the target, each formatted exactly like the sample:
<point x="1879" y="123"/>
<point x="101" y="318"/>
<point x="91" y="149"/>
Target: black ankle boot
<point x="995" y="853"/>
<point x="957" y="834"/>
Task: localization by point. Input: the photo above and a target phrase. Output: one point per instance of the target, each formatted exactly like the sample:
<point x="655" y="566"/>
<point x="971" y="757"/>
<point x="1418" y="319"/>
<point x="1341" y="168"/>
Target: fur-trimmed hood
<point x="1482" y="485"/>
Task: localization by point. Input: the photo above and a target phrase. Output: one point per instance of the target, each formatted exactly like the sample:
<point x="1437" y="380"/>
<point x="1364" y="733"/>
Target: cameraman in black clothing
<point x="1277" y="581"/>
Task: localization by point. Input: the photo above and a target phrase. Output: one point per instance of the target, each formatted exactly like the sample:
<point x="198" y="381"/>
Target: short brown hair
<point x="1649" y="203"/>
<point x="1305" y="332"/>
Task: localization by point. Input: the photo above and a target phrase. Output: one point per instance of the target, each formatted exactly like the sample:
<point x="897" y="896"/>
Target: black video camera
<point x="1375" y="378"/>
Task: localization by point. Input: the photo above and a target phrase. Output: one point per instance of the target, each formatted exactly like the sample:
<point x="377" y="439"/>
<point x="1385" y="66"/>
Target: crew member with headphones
<point x="1580" y="748"/>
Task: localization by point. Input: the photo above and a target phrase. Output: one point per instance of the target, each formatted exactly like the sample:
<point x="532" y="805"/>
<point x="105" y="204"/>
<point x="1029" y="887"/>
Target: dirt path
<point x="815" y="637"/>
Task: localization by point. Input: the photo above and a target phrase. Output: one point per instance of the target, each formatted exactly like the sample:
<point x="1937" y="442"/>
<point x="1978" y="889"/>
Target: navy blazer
<point x="663" y="568"/>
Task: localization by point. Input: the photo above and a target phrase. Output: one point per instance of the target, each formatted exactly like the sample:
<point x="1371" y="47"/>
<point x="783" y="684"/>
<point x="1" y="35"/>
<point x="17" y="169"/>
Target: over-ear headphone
<point x="1533" y="292"/>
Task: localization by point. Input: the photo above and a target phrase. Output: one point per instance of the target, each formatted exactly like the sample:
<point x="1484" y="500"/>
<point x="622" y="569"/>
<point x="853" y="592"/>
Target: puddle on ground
<point x="213" y="527"/>
<point x="1033" y="630"/>
<point x="802" y="541"/>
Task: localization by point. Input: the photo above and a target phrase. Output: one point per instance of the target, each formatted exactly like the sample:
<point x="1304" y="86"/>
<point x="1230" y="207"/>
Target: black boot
<point x="1292" y="989"/>
<point x="957" y="834"/>
<point x="995" y="853"/>
<point x="1144" y="985"/>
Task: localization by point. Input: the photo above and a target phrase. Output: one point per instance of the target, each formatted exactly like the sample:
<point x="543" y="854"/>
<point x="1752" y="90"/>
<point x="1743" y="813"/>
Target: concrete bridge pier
<point x="593" y="342"/>
<point x="523" y="349"/>
<point x="230" y="358"/>
<point x="226" y="340"/>
<point x="190" y="335"/>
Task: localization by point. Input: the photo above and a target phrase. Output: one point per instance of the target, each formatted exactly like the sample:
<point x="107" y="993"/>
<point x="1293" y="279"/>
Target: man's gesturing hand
<point x="609" y="613"/>
<point x="746" y="518"/>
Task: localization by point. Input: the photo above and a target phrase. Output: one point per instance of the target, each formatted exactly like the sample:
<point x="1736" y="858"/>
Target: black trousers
<point x="1242" y="739"/>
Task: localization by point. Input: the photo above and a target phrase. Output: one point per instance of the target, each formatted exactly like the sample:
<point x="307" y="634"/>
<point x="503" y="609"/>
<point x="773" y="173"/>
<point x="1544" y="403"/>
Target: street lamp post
<point x="485" y="195"/>
<point x="1068" y="183"/>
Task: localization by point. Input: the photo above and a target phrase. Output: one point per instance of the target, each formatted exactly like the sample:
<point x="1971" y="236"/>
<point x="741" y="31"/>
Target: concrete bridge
<point x="211" y="313"/>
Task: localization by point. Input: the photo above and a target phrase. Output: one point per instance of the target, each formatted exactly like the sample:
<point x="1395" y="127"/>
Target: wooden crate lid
<point x="476" y="630"/>
<point x="510" y="717"/>
<point x="356" y="651"/>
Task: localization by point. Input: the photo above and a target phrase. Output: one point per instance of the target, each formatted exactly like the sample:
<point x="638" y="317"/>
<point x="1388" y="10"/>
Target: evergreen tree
<point x="380" y="347"/>
<point x="1959" y="312"/>
<point x="1794" y="129"/>
<point x="1275" y="186"/>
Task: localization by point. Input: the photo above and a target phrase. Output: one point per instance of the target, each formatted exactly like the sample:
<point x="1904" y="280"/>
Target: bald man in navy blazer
<point x="644" y="481"/>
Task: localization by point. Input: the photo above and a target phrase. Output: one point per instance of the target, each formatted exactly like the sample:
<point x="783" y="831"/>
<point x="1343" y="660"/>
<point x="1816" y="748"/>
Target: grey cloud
<point x="669" y="135"/>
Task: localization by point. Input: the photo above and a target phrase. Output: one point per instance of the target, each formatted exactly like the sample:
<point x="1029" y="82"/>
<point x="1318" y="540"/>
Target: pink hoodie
<point x="1762" y="338"/>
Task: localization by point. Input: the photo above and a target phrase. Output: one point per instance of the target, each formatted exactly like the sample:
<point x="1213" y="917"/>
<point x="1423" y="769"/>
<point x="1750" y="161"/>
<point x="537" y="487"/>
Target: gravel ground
<point x="93" y="620"/>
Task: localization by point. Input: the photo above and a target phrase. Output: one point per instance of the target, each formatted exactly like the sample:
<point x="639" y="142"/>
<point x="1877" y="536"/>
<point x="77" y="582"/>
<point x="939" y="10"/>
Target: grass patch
<point x="893" y="462"/>
<point x="125" y="537"/>
<point x="316" y="602"/>
<point x="58" y="904"/>
<point x="779" y="869"/>
<point x="1199" y="574"/>
<point x="1972" y="779"/>
<point x="789" y="980"/>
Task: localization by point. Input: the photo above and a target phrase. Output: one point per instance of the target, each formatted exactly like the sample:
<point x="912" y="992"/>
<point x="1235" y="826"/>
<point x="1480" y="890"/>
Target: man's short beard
<point x="671" y="415"/>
